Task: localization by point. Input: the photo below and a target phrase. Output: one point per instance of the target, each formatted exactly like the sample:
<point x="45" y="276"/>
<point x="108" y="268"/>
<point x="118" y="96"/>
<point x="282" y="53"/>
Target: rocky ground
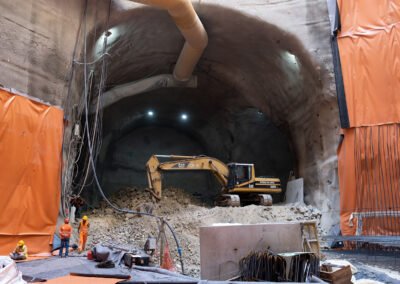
<point x="185" y="214"/>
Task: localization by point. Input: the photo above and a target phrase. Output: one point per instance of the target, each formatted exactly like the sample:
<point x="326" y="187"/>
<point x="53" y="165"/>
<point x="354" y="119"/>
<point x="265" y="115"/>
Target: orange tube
<point x="191" y="28"/>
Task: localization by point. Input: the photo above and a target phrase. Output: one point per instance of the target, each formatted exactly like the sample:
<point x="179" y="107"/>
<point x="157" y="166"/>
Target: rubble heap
<point x="185" y="214"/>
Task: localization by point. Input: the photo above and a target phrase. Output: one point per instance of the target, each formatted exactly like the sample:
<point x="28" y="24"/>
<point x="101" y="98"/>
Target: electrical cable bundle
<point x="93" y="150"/>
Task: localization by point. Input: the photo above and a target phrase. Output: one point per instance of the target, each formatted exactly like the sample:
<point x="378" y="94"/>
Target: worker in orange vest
<point x="65" y="234"/>
<point x="83" y="232"/>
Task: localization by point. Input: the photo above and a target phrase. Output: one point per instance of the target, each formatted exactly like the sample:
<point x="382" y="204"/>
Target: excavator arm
<point x="154" y="169"/>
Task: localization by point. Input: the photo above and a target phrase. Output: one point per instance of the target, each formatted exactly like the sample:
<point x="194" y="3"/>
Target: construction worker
<point x="20" y="252"/>
<point x="83" y="232"/>
<point x="78" y="203"/>
<point x="65" y="233"/>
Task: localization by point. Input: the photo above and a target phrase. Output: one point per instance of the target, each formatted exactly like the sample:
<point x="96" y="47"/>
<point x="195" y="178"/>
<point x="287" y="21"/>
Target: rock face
<point x="265" y="95"/>
<point x="185" y="214"/>
<point x="271" y="57"/>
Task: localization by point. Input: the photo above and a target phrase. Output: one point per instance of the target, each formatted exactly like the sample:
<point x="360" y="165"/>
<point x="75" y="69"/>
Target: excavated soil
<point x="185" y="214"/>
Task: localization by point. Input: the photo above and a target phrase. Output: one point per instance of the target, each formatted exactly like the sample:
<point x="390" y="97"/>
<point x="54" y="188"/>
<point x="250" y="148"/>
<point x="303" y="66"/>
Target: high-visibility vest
<point x="83" y="227"/>
<point x="65" y="231"/>
<point x="23" y="249"/>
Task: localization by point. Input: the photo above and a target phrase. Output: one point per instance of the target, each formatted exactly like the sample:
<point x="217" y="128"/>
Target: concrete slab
<point x="295" y="191"/>
<point x="221" y="247"/>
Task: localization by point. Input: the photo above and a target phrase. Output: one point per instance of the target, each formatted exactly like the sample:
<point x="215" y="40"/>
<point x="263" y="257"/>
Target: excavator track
<point x="226" y="200"/>
<point x="265" y="199"/>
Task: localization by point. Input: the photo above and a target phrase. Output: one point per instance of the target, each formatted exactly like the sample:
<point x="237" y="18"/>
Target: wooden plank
<point x="342" y="274"/>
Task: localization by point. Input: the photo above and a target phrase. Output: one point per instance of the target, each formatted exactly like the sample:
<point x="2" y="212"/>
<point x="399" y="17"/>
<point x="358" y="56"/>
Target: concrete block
<point x="295" y="191"/>
<point x="221" y="247"/>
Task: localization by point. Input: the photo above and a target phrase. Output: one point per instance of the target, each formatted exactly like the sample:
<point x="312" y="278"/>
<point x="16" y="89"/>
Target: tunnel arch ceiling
<point x="248" y="65"/>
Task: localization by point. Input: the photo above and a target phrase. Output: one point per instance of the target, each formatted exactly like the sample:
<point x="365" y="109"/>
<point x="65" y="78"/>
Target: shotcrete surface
<point x="272" y="55"/>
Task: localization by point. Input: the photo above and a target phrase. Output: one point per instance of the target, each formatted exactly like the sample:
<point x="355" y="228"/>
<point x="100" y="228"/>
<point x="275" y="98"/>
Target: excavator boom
<point x="189" y="163"/>
<point x="238" y="180"/>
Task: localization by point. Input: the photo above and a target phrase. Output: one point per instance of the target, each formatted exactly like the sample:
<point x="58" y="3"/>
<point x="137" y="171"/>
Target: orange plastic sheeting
<point x="369" y="177"/>
<point x="369" y="46"/>
<point x="346" y="173"/>
<point x="30" y="147"/>
<point x="363" y="16"/>
<point x="83" y="280"/>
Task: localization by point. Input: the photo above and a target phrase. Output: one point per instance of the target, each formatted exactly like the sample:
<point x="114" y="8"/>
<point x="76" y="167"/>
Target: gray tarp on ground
<point x="104" y="253"/>
<point x="55" y="267"/>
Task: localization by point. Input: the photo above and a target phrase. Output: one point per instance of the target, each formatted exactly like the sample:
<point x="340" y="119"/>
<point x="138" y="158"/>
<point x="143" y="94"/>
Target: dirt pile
<point x="185" y="214"/>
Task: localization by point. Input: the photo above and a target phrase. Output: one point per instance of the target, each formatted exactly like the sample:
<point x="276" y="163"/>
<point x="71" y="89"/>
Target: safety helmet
<point x="66" y="220"/>
<point x="84" y="218"/>
<point x="21" y="243"/>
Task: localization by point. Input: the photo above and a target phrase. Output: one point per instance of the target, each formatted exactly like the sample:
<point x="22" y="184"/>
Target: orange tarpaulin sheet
<point x="369" y="160"/>
<point x="369" y="47"/>
<point x="362" y="16"/>
<point x="83" y="280"/>
<point x="30" y="147"/>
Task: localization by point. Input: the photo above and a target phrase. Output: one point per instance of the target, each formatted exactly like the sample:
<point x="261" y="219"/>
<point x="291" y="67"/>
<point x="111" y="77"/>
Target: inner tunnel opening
<point x="235" y="134"/>
<point x="255" y="102"/>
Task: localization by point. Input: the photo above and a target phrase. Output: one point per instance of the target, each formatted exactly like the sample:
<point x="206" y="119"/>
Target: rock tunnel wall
<point x="37" y="43"/>
<point x="267" y="56"/>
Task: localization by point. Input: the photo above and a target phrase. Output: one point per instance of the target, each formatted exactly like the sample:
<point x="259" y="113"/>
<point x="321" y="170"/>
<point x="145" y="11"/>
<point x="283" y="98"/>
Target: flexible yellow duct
<point x="192" y="29"/>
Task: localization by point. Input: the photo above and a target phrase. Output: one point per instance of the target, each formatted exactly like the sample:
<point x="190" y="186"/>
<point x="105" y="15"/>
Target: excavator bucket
<point x="154" y="177"/>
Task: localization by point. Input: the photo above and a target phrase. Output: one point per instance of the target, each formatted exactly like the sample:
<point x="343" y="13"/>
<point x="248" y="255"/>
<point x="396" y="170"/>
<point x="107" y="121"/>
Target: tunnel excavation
<point x="193" y="141"/>
<point x="232" y="114"/>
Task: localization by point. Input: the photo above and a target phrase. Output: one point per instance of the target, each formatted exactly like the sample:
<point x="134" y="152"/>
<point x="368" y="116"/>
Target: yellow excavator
<point x="238" y="180"/>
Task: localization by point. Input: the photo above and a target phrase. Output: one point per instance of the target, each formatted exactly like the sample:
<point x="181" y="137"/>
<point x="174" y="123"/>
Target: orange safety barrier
<point x="30" y="147"/>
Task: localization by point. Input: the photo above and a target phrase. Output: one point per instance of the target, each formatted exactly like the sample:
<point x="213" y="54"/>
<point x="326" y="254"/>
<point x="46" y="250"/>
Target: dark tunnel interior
<point x="243" y="135"/>
<point x="254" y="103"/>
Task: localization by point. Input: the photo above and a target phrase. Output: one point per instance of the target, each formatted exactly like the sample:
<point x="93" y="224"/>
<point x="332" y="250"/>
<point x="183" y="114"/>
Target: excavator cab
<point x="239" y="174"/>
<point x="244" y="187"/>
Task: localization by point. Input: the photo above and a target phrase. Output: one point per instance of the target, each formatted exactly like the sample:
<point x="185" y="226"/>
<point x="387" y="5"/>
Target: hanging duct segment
<point x="190" y="26"/>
